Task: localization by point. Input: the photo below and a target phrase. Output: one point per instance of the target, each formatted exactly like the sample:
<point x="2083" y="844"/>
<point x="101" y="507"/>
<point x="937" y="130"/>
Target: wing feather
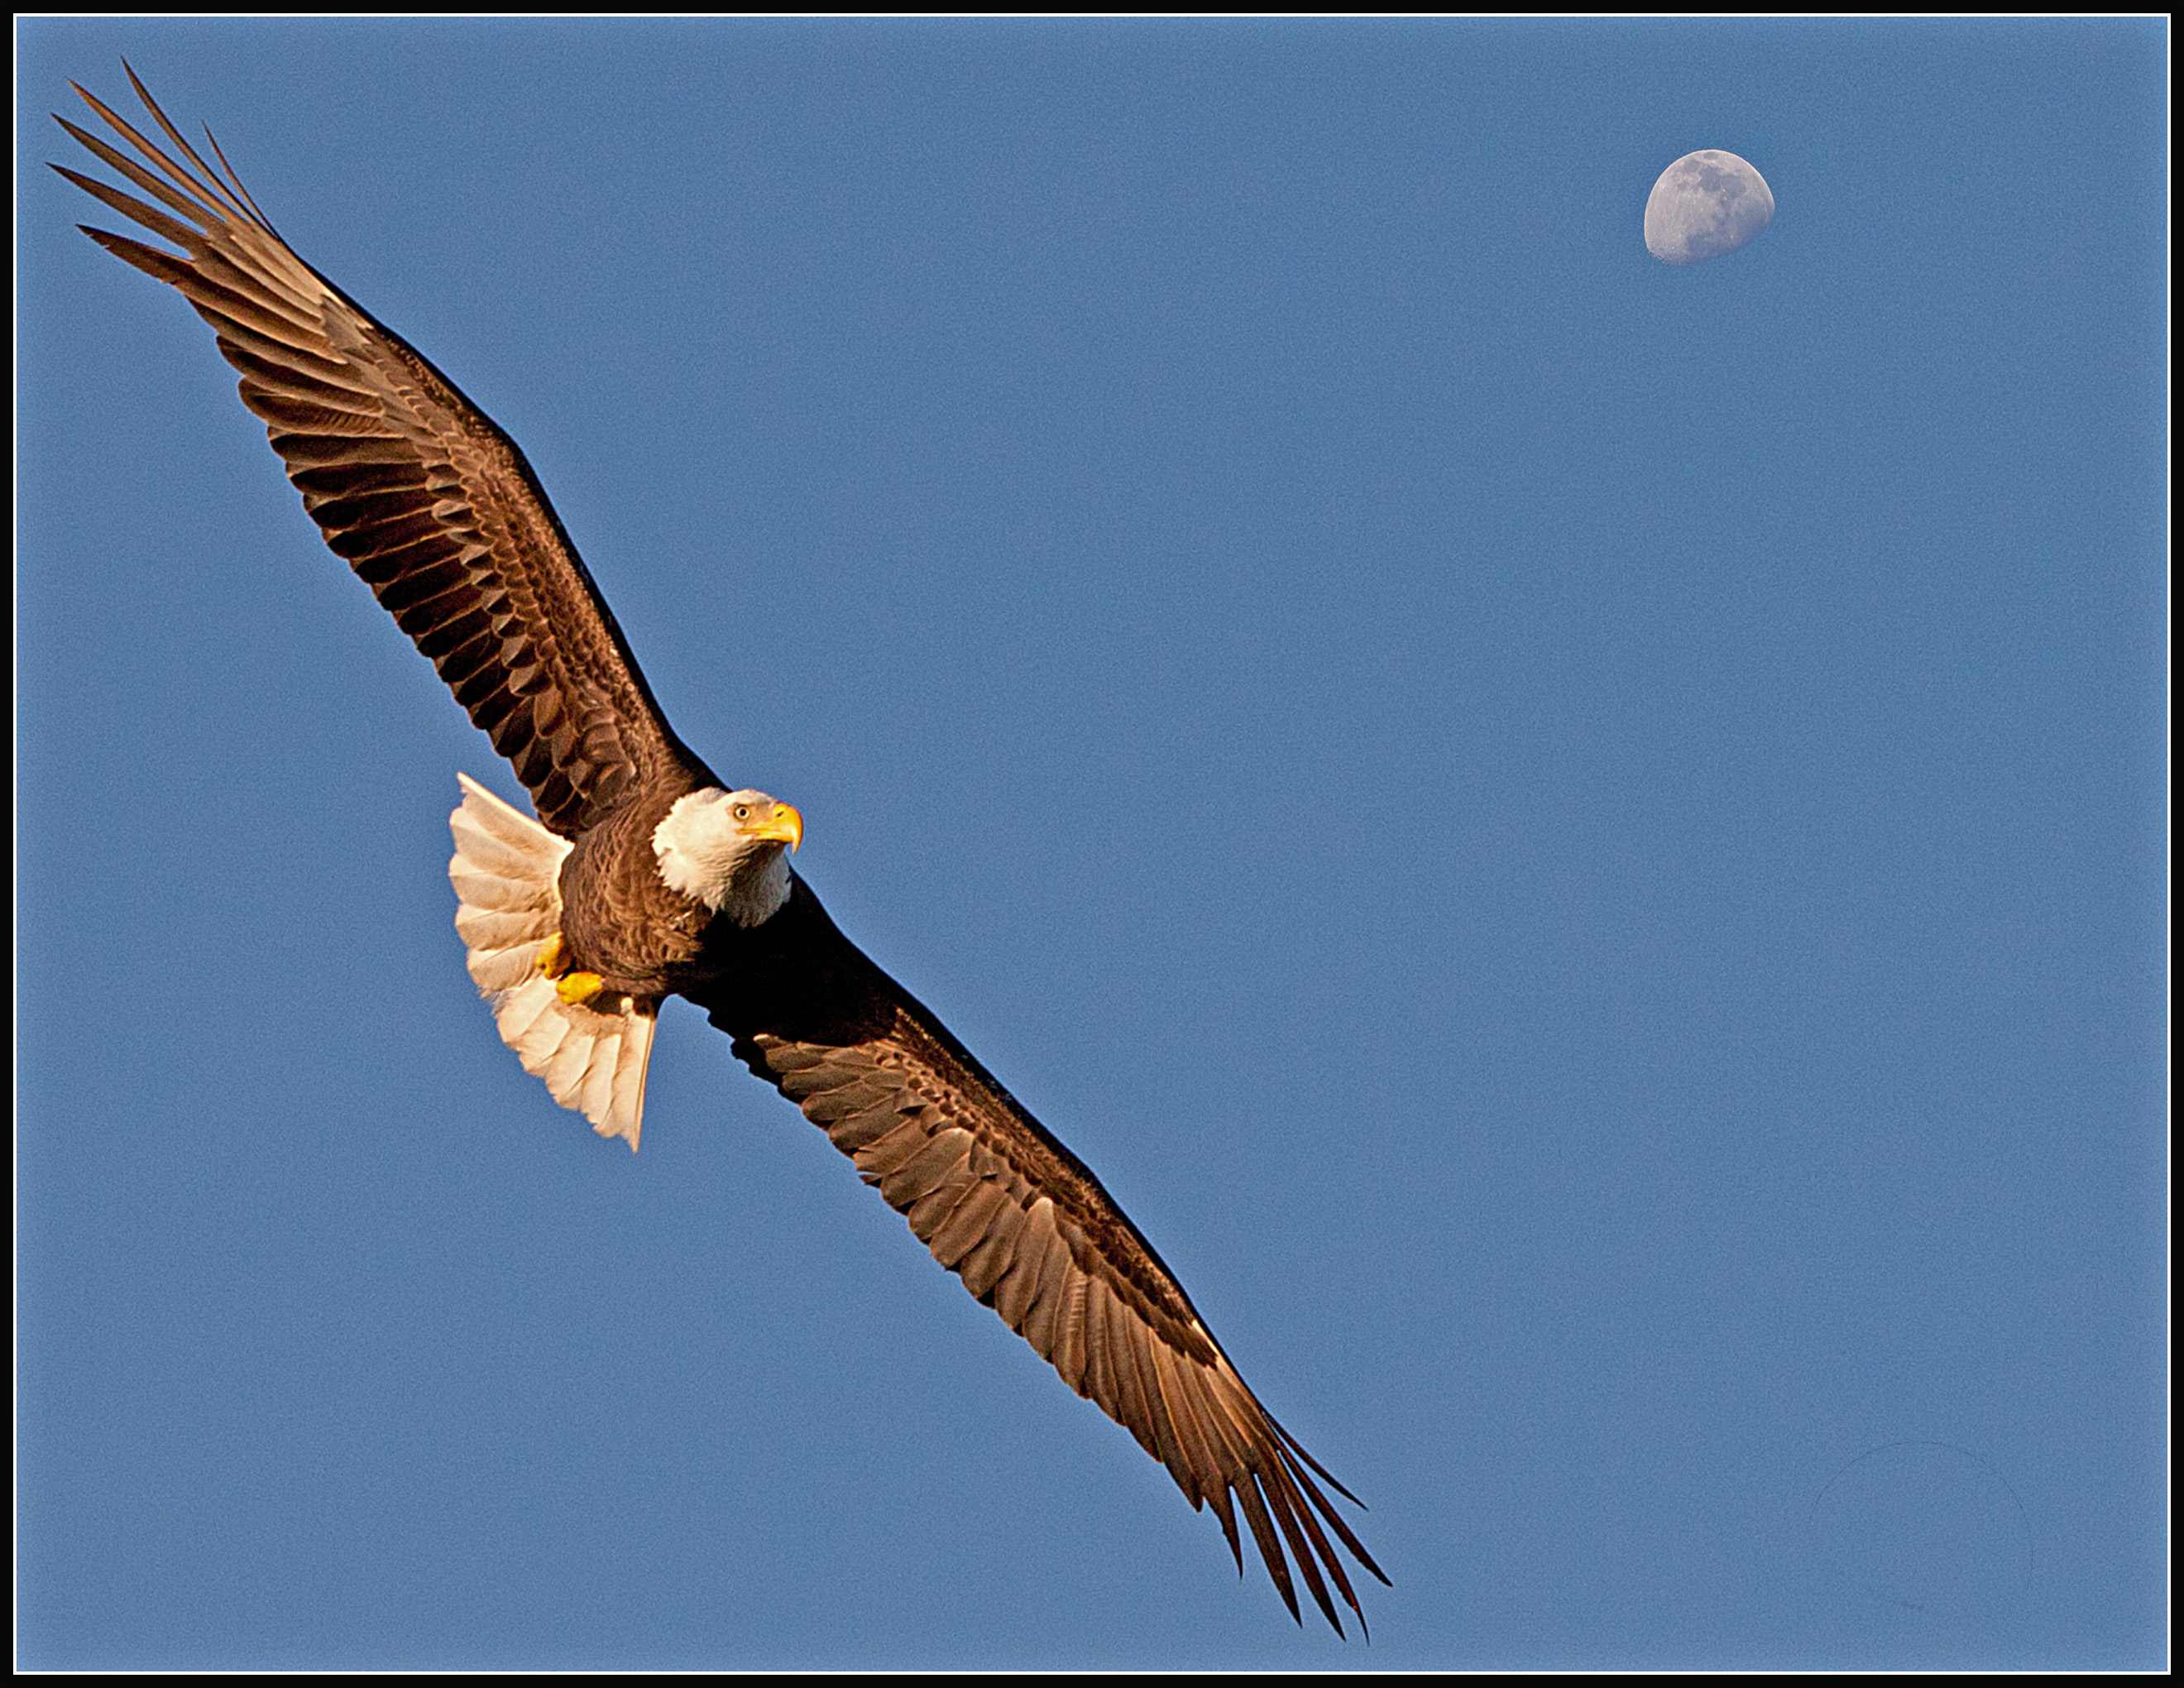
<point x="413" y="485"/>
<point x="1046" y="1285"/>
<point x="999" y="1201"/>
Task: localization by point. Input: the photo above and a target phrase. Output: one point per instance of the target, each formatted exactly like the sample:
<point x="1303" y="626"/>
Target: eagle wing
<point x="413" y="485"/>
<point x="1003" y="1204"/>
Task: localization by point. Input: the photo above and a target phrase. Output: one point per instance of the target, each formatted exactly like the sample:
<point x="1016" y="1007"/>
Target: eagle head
<point x="728" y="849"/>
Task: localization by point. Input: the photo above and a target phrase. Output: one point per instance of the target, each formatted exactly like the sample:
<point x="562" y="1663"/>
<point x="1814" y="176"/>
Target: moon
<point x="1706" y="203"/>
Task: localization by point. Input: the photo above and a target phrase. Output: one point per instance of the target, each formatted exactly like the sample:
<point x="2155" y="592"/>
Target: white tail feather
<point x="507" y="876"/>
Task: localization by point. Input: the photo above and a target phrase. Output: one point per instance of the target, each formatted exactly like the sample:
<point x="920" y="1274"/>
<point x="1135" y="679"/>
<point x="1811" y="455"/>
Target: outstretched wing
<point x="426" y="498"/>
<point x="1006" y="1207"/>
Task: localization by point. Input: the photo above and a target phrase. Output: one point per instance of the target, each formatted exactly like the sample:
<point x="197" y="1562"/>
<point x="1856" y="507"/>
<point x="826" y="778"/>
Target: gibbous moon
<point x="1706" y="203"/>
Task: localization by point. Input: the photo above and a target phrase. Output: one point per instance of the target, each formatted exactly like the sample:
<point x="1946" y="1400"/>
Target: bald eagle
<point x="644" y="875"/>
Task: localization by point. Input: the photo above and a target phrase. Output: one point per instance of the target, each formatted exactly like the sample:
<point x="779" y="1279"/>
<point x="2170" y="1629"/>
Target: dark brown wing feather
<point x="1006" y="1207"/>
<point x="410" y="482"/>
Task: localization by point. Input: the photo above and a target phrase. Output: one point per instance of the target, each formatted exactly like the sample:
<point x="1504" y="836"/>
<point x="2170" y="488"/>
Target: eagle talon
<point x="575" y="989"/>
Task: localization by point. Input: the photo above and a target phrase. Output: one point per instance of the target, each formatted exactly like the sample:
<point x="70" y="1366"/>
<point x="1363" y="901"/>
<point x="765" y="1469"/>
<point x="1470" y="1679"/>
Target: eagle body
<point x="641" y="875"/>
<point x="620" y="918"/>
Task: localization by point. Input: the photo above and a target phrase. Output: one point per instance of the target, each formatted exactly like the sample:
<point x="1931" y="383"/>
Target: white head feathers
<point x="729" y="850"/>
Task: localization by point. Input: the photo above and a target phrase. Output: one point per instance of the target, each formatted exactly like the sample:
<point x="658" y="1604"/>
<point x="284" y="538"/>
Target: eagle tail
<point x="507" y="876"/>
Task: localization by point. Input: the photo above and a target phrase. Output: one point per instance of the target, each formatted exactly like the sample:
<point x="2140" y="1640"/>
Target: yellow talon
<point x="570" y="988"/>
<point x="578" y="987"/>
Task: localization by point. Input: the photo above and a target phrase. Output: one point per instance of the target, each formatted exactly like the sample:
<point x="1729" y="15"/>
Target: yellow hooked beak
<point x="784" y="826"/>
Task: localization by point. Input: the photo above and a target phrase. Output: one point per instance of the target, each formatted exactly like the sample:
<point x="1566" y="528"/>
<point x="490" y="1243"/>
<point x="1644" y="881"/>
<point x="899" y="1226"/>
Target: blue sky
<point x="1582" y="844"/>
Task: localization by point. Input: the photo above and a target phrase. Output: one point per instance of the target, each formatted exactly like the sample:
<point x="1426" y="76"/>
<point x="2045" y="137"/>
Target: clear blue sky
<point x="1581" y="844"/>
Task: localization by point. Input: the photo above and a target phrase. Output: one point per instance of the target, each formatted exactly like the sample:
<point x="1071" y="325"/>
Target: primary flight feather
<point x="644" y="876"/>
